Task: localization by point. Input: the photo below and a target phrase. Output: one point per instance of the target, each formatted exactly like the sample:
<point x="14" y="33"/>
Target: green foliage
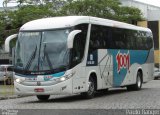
<point x="11" y="21"/>
<point x="110" y="9"/>
<point x="129" y="14"/>
<point x="28" y="13"/>
<point x="98" y="8"/>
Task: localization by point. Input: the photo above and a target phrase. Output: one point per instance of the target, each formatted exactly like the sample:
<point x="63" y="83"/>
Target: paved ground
<point x="147" y="98"/>
<point x="6" y="91"/>
<point x="110" y="103"/>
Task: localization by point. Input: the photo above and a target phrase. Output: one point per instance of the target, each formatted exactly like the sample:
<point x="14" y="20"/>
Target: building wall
<point x="142" y="24"/>
<point x="155" y="27"/>
<point x="13" y="8"/>
<point x="150" y="12"/>
<point x="153" y="15"/>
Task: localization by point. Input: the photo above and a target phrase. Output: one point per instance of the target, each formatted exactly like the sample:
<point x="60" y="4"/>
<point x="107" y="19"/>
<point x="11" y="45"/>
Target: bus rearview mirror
<point x="71" y="37"/>
<point x="7" y="42"/>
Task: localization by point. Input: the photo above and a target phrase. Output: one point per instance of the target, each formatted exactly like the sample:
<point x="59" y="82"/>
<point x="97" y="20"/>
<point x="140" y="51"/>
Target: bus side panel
<point x="125" y="62"/>
<point x="105" y="63"/>
<point x="92" y="67"/>
<point x="79" y="79"/>
<point x="146" y="72"/>
<point x="150" y="65"/>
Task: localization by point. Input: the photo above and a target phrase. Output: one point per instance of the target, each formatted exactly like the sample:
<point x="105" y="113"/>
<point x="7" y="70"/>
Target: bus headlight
<point x="62" y="79"/>
<point x="67" y="75"/>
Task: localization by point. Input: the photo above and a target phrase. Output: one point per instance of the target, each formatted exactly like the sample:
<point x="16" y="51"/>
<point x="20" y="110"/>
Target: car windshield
<point x="42" y="51"/>
<point x="2" y="68"/>
<point x="6" y="68"/>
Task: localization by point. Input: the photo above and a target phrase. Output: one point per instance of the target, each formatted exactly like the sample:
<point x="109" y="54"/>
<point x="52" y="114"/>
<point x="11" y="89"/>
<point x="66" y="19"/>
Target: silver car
<point x="156" y="73"/>
<point x="6" y="74"/>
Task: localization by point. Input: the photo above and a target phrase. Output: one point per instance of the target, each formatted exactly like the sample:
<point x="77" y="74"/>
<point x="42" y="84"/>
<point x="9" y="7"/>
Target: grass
<point x="6" y="90"/>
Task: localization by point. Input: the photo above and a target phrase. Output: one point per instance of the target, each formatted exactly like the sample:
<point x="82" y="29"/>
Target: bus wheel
<point x="91" y="90"/>
<point x="138" y="84"/>
<point x="43" y="97"/>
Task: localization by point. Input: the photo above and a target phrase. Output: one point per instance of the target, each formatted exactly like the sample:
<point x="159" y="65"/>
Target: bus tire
<point x="91" y="90"/>
<point x="138" y="84"/>
<point x="43" y="97"/>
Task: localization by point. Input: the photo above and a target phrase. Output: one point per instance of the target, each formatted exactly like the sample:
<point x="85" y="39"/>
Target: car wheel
<point x="8" y="81"/>
<point x="155" y="78"/>
<point x="43" y="97"/>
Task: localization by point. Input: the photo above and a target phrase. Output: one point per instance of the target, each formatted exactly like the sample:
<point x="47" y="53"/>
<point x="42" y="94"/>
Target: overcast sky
<point x="153" y="2"/>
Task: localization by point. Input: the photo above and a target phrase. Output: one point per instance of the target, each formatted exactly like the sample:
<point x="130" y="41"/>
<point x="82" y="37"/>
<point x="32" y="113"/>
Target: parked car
<point x="6" y="74"/>
<point x="156" y="73"/>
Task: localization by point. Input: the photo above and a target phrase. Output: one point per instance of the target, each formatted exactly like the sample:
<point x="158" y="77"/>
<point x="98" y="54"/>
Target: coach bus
<point x="80" y="55"/>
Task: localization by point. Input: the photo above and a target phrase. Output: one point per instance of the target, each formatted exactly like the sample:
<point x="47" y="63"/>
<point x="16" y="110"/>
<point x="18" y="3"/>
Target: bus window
<point x="79" y="44"/>
<point x="98" y="38"/>
<point x="119" y="38"/>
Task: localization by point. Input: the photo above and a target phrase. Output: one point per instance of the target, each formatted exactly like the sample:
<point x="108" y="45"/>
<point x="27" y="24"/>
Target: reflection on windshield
<point x="42" y="51"/>
<point x="31" y="59"/>
<point x="26" y="49"/>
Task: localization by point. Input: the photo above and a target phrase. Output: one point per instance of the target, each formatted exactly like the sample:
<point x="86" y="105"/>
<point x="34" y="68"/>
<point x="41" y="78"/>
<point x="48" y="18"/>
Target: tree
<point x="3" y="26"/>
<point x="110" y="9"/>
<point x="11" y="21"/>
<point x="28" y="13"/>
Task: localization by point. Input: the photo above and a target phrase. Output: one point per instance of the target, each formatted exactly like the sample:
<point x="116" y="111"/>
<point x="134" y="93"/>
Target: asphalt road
<point x="147" y="98"/>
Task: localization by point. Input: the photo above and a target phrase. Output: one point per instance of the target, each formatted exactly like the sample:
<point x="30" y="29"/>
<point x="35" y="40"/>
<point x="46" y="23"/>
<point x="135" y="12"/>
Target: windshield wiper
<point x="47" y="57"/>
<point x="31" y="59"/>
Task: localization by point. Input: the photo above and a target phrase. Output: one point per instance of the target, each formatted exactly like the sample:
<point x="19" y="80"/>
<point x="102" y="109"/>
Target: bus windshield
<point x="42" y="51"/>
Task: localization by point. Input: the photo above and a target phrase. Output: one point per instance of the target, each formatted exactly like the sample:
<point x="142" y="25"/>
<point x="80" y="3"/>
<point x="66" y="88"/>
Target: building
<point x="8" y="8"/>
<point x="151" y="14"/>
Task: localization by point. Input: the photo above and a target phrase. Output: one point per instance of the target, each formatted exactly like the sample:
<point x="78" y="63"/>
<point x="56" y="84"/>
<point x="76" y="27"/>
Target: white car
<point x="156" y="73"/>
<point x="6" y="74"/>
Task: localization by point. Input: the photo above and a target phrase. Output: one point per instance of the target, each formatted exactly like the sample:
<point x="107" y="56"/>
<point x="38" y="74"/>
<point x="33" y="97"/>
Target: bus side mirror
<point x="7" y="42"/>
<point x="71" y="38"/>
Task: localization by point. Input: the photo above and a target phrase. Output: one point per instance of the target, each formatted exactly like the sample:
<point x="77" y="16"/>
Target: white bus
<point x="80" y="55"/>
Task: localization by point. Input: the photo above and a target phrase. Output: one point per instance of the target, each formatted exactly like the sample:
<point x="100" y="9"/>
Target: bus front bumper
<point x="64" y="87"/>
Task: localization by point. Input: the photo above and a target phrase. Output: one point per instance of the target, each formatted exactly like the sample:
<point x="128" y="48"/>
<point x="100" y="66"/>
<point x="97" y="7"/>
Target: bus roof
<point x="69" y="21"/>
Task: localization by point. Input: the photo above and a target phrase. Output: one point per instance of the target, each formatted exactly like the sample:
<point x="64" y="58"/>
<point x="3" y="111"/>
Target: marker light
<point x="18" y="80"/>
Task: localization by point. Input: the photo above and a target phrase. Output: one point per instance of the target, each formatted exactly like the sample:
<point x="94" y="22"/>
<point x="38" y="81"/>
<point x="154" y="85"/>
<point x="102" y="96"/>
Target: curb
<point x="11" y="97"/>
<point x="8" y="97"/>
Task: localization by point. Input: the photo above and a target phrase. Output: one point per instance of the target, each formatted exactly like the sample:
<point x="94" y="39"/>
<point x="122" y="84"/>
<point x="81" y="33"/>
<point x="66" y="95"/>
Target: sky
<point x="153" y="2"/>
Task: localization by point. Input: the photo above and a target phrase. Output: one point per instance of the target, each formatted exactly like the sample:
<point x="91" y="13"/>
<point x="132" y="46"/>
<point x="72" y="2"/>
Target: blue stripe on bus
<point x="120" y="70"/>
<point x="58" y="74"/>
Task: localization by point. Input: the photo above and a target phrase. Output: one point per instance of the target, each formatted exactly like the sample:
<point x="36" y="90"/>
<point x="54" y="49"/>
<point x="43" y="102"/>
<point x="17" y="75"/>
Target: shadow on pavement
<point x="78" y="97"/>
